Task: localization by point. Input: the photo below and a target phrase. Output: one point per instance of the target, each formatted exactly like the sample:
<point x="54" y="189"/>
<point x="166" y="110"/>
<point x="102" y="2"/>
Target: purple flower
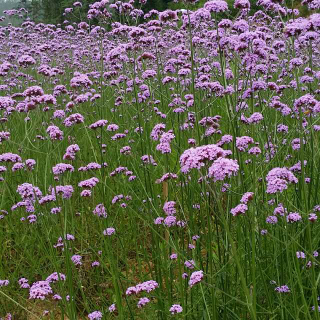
<point x="164" y="148"/>
<point x="75" y="118"/>
<point x="55" y="133"/>
<point x="293" y="217"/>
<point x="95" y="264"/>
<point x="278" y="179"/>
<point x="10" y="157"/>
<point x="112" y="308"/>
<point x="131" y="290"/>
<point x="146" y="286"/>
<point x="242" y="4"/>
<point x="4" y="283"/>
<point x="98" y="124"/>
<point x="76" y="259"/>
<point x="32" y="218"/>
<point x="195" y="158"/>
<point x="66" y="191"/>
<point x="54" y="277"/>
<point x="40" y="290"/>
<point x="223" y="168"/>
<point x="142" y="302"/>
<point x="168" y="15"/>
<point x="189" y="264"/>
<point x="239" y="209"/>
<point x="55" y="210"/>
<point x="61" y="168"/>
<point x="100" y="211"/>
<point x="158" y="220"/>
<point x="26" y="60"/>
<point x="248" y="196"/>
<point x="85" y="193"/>
<point x="109" y="231"/>
<point x="89" y="183"/>
<point x="166" y="177"/>
<point x="157" y="131"/>
<point x="313" y="217"/>
<point x="95" y="315"/>
<point x="80" y="80"/>
<point x="253" y="119"/>
<point x="280" y="210"/>
<point x="17" y="166"/>
<point x="71" y="152"/>
<point x="112" y="127"/>
<point x="195" y="278"/>
<point x="300" y="255"/>
<point x="175" y="308"/>
<point x="170" y="221"/>
<point x="30" y="163"/>
<point x="272" y="220"/>
<point x="28" y="191"/>
<point x="282" y="289"/>
<point x="216" y="6"/>
<point x="4" y="135"/>
<point x="169" y="208"/>
<point x="23" y="283"/>
<point x="242" y="143"/>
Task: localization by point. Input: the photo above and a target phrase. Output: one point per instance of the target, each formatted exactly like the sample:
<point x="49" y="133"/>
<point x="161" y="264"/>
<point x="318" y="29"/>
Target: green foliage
<point x="49" y="11"/>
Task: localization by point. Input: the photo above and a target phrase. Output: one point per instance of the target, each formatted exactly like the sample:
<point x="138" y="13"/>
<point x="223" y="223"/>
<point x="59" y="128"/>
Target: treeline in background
<point x="52" y="11"/>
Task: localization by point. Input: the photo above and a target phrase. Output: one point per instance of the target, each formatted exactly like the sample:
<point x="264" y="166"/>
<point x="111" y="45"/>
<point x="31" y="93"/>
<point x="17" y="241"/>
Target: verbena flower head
<point x="196" y="158"/>
<point x="223" y="168"/>
<point x="61" y="168"/>
<point x="282" y="289"/>
<point x="76" y="259"/>
<point x="142" y="302"/>
<point x="146" y="286"/>
<point x="40" y="290"/>
<point x="239" y="209"/>
<point x="216" y="6"/>
<point x="54" y="277"/>
<point x="95" y="315"/>
<point x="248" y="196"/>
<point x="4" y="283"/>
<point x="23" y="283"/>
<point x="10" y="157"/>
<point x="278" y="179"/>
<point x="175" y="308"/>
<point x="100" y="211"/>
<point x="89" y="183"/>
<point x="109" y="231"/>
<point x="112" y="308"/>
<point x="293" y="217"/>
<point x="242" y="4"/>
<point x="169" y="208"/>
<point x="195" y="278"/>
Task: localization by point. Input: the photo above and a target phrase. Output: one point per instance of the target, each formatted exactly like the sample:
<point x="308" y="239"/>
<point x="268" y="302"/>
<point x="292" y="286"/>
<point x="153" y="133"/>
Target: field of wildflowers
<point x="163" y="166"/>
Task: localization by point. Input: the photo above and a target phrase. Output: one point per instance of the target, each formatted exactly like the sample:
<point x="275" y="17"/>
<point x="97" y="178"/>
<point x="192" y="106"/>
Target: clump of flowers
<point x="278" y="180"/>
<point x="196" y="158"/>
<point x="40" y="290"/>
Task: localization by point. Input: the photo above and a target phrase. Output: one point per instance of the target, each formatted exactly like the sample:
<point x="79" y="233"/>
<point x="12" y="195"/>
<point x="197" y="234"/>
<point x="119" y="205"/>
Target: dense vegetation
<point x="53" y="12"/>
<point x="161" y="165"/>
